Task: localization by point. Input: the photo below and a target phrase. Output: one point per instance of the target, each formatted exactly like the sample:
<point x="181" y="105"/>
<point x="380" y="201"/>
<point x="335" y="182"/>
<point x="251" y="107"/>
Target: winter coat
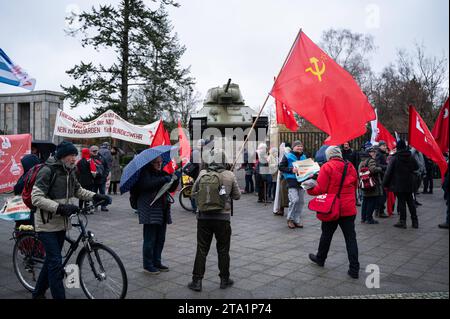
<point x="381" y="159"/>
<point x="28" y="161"/>
<point x="106" y="154"/>
<point x="148" y="185"/>
<point x="228" y="179"/>
<point x="376" y="172"/>
<point x="64" y="191"/>
<point x="351" y="156"/>
<point x="328" y="182"/>
<point x="116" y="170"/>
<point x="400" y="176"/>
<point x="84" y="173"/>
<point x="286" y="167"/>
<point x="273" y="166"/>
<point x="102" y="169"/>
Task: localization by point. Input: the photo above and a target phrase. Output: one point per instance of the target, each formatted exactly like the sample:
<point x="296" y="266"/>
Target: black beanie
<point x="64" y="149"/>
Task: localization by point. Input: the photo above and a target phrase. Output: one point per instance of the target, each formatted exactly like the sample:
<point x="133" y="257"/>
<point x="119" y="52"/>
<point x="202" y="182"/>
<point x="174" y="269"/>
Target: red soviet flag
<point x="384" y="135"/>
<point x="321" y="91"/>
<point x="286" y="116"/>
<point x="162" y="138"/>
<point x="440" y="129"/>
<point x="159" y="138"/>
<point x="185" y="147"/>
<point x="421" y="138"/>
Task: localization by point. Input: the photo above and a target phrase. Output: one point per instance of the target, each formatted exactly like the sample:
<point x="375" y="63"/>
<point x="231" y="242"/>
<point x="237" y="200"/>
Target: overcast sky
<point x="245" y="40"/>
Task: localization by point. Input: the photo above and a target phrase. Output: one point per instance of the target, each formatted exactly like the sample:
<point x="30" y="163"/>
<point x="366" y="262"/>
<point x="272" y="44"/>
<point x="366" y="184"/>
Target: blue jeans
<point x="154" y="238"/>
<point x="194" y="204"/>
<point x="52" y="273"/>
<point x="369" y="204"/>
<point x="100" y="189"/>
<point x="296" y="203"/>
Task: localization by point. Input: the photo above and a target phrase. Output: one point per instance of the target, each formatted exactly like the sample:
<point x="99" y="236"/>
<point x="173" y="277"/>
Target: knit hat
<point x="333" y="151"/>
<point x="65" y="148"/>
<point x="85" y="153"/>
<point x="381" y="143"/>
<point x="401" y="145"/>
<point x="296" y="143"/>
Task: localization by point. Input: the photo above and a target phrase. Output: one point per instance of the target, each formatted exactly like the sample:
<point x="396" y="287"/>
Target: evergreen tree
<point x="147" y="57"/>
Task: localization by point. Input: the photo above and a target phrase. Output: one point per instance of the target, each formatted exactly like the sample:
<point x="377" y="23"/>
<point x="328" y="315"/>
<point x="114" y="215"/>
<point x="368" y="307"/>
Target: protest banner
<point x="12" y="149"/>
<point x="109" y="124"/>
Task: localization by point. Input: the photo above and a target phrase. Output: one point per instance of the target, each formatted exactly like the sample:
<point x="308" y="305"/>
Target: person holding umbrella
<point x="145" y="178"/>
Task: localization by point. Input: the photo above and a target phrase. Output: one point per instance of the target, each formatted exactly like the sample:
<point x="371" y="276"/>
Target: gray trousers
<point x="296" y="203"/>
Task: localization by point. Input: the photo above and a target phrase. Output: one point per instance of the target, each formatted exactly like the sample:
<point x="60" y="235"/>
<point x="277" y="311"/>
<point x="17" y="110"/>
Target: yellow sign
<point x="316" y="71"/>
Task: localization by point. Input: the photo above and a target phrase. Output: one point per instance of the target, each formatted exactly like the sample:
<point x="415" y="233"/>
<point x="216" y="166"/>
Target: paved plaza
<point x="268" y="260"/>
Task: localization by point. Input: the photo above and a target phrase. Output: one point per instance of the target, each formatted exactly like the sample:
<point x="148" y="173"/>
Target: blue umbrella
<point x="131" y="172"/>
<point x="320" y="156"/>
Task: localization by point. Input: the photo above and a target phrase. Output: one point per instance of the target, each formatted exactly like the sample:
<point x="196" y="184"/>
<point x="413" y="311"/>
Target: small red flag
<point x="185" y="147"/>
<point x="162" y="138"/>
<point x="421" y="138"/>
<point x="384" y="135"/>
<point x="321" y="91"/>
<point x="286" y="116"/>
<point x="440" y="129"/>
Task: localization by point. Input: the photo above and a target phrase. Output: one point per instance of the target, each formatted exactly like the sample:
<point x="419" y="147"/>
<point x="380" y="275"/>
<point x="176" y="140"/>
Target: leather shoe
<point x="195" y="284"/>
<point x="314" y="259"/>
<point x="225" y="283"/>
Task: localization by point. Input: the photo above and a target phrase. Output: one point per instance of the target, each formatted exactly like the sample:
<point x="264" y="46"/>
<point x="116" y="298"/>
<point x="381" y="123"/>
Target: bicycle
<point x="107" y="278"/>
<point x="185" y="194"/>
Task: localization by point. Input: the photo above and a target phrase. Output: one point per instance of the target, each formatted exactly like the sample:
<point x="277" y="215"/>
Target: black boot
<point x="401" y="224"/>
<point x="225" y="283"/>
<point x="195" y="284"/>
<point x="415" y="223"/>
<point x="314" y="259"/>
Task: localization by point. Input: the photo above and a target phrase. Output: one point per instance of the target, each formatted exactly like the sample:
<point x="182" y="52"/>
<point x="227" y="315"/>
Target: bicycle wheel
<point x="185" y="198"/>
<point x="102" y="274"/>
<point x="28" y="260"/>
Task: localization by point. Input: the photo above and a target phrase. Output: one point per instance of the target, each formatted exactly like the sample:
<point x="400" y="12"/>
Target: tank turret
<point x="224" y="107"/>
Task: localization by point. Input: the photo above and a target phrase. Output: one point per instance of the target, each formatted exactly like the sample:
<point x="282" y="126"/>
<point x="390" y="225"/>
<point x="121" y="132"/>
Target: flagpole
<point x="265" y="102"/>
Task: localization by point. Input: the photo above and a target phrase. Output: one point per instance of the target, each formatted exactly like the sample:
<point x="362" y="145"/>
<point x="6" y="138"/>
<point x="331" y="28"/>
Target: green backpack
<point x="209" y="198"/>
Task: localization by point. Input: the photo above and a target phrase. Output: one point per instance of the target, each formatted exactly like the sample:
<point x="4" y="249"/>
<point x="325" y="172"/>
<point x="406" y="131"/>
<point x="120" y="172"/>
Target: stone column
<point x="32" y="119"/>
<point x="45" y="125"/>
<point x="2" y="116"/>
<point x="16" y="118"/>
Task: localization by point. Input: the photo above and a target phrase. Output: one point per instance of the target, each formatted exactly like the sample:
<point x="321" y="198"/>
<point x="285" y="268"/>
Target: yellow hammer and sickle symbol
<point x="316" y="72"/>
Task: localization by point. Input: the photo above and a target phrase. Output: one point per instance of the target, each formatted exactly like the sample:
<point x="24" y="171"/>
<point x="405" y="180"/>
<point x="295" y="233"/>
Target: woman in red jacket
<point x="328" y="182"/>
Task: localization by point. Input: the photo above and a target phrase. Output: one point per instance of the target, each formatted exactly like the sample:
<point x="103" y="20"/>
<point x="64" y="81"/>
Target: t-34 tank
<point x="223" y="108"/>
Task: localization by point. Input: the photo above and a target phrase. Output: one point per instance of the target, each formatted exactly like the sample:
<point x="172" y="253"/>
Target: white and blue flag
<point x="13" y="74"/>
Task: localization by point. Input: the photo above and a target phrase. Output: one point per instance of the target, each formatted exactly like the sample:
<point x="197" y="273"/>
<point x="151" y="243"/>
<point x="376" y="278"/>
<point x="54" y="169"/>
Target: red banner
<point x="12" y="149"/>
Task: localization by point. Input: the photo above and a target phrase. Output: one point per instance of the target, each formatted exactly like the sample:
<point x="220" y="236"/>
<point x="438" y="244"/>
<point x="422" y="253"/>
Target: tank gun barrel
<point x="228" y="85"/>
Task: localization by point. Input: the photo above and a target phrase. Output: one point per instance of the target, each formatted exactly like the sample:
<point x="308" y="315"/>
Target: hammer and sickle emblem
<point x="316" y="71"/>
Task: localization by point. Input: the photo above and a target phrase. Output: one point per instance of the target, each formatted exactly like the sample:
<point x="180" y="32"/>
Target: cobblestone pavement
<point x="268" y="260"/>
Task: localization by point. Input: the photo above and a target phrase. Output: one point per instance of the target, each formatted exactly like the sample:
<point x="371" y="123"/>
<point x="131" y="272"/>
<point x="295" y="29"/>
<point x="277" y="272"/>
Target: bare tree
<point x="188" y="100"/>
<point x="415" y="79"/>
<point x="351" y="51"/>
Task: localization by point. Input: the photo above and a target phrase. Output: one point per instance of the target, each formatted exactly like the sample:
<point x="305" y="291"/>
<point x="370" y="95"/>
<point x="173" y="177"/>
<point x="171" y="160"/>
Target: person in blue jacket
<point x="295" y="192"/>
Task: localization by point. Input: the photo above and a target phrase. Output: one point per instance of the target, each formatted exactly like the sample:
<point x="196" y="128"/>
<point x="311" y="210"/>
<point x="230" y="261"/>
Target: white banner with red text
<point x="109" y="124"/>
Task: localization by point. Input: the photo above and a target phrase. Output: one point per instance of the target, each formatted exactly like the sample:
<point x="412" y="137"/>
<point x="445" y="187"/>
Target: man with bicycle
<point x="54" y="193"/>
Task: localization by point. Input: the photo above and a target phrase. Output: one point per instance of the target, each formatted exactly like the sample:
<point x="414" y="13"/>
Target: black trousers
<point x="113" y="187"/>
<point x="404" y="199"/>
<point x="221" y="229"/>
<point x="428" y="184"/>
<point x="347" y="225"/>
